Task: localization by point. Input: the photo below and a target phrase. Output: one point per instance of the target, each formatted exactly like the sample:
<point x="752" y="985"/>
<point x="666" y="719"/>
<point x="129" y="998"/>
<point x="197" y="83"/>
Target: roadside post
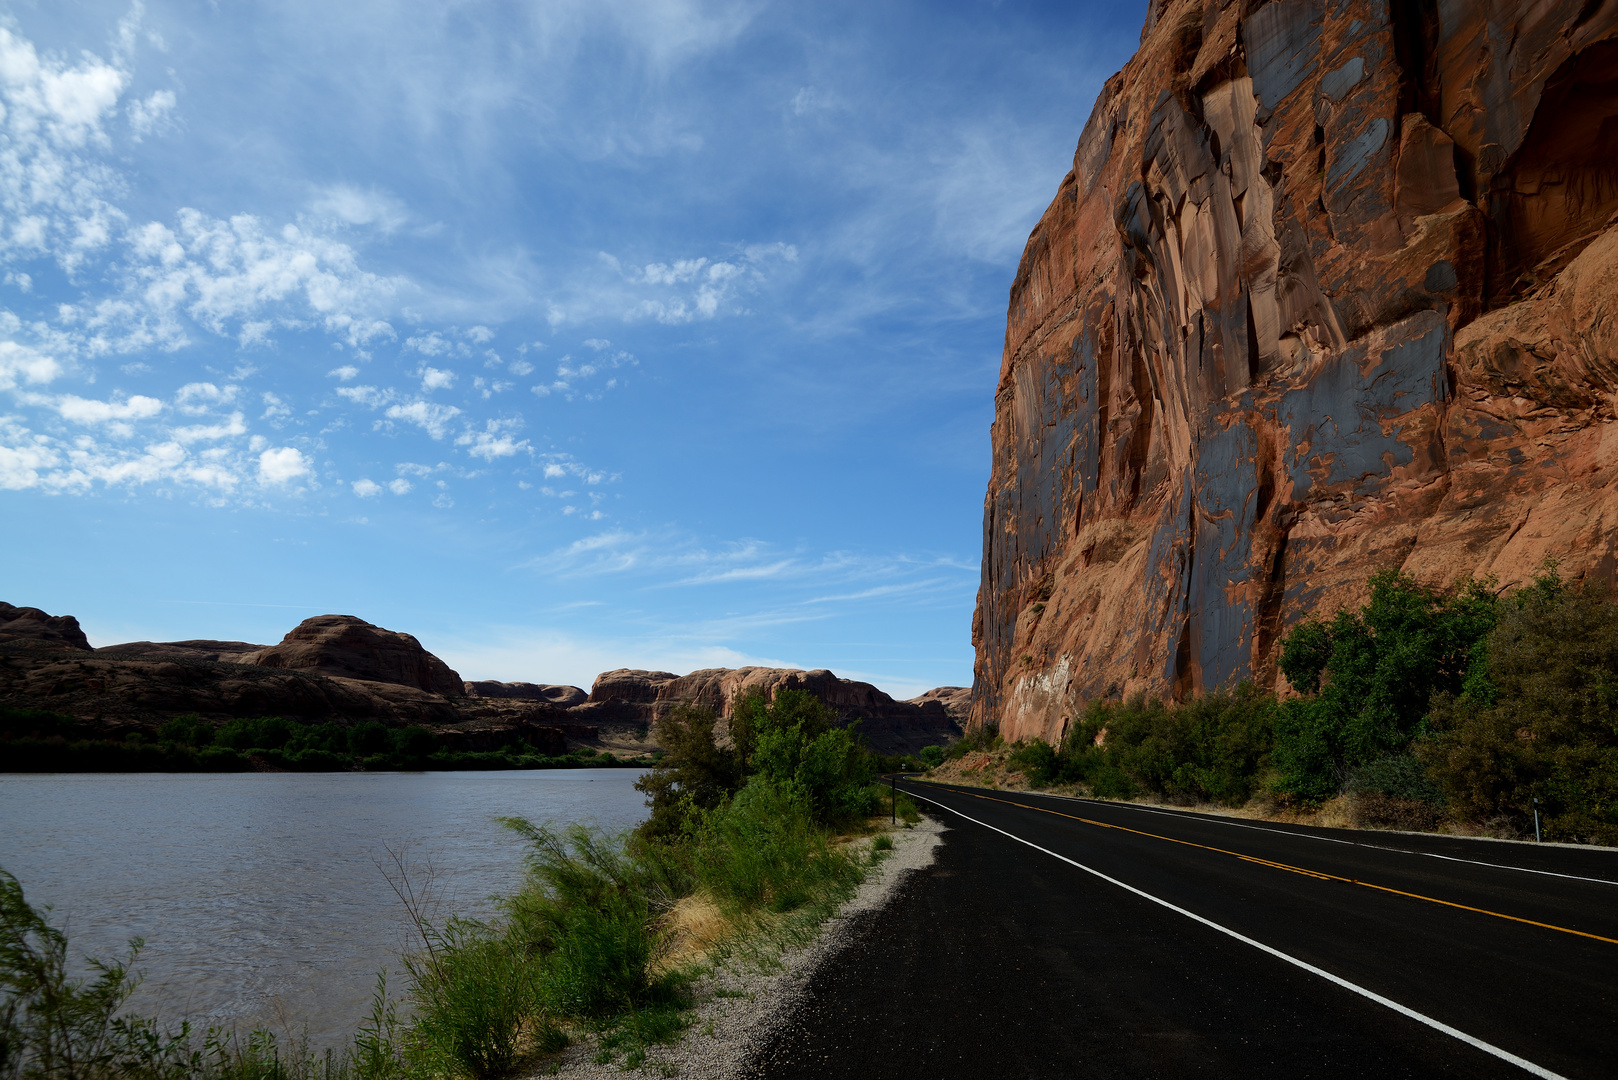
<point x="1536" y="820"/>
<point x="893" y="800"/>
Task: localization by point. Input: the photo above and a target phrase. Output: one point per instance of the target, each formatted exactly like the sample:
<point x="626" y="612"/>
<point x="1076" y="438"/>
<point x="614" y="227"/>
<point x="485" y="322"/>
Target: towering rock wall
<point x="1331" y="287"/>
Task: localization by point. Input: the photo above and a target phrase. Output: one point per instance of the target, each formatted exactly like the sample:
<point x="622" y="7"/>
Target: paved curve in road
<point x="1064" y="937"/>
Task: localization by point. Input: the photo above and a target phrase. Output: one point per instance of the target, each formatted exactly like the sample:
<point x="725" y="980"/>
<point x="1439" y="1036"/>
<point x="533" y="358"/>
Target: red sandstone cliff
<point x="1332" y="287"/>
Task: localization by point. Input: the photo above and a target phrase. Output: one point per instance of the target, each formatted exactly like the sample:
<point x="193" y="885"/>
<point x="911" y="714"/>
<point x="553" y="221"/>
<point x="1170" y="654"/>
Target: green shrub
<point x="190" y="730"/>
<point x="932" y="756"/>
<point x="986" y="737"/>
<point x="1368" y="678"/>
<point x="1212" y="748"/>
<point x="693" y="774"/>
<point x="1400" y="776"/>
<point x="1544" y="723"/>
<point x="264" y="733"/>
<point x="1038" y="761"/>
<point x="473" y="996"/>
<point x="369" y="738"/>
<point x="763" y="849"/>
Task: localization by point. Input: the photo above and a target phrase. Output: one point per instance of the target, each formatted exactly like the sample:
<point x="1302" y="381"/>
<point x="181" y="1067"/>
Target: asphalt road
<point x="1184" y="945"/>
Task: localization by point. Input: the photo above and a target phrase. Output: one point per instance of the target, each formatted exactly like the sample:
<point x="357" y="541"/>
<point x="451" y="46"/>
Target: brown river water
<point x="262" y="896"/>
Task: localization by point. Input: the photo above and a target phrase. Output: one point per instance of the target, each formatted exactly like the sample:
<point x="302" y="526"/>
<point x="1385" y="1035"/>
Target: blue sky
<point x="564" y="336"/>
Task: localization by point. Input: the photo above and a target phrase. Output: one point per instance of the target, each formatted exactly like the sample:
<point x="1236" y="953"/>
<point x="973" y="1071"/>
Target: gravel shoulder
<point x="740" y="1006"/>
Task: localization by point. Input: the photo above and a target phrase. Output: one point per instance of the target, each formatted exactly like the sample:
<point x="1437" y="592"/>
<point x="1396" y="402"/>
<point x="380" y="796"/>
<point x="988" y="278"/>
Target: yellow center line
<point x="1317" y="874"/>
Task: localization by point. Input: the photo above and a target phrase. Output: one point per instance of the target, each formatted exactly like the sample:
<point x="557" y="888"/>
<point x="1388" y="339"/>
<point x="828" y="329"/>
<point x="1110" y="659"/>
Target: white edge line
<point x="1188" y="816"/>
<point x="1437" y="1025"/>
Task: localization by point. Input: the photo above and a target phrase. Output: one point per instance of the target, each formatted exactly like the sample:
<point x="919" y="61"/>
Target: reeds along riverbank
<point x="602" y="943"/>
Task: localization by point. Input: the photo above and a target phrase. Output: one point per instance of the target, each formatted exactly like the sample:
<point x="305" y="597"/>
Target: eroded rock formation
<point x="33" y="628"/>
<point x="338" y="667"/>
<point x="565" y="696"/>
<point x="889" y="726"/>
<point x="349" y="647"/>
<point x="1331" y="287"/>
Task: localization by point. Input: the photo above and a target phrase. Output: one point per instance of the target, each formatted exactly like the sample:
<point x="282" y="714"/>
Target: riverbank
<point x="33" y="741"/>
<point x="750" y="989"/>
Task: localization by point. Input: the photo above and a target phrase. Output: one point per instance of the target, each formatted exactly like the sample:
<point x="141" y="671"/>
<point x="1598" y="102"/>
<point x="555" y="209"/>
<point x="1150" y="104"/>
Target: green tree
<point x="694" y="774"/>
<point x="1544" y="722"/>
<point x="1369" y="676"/>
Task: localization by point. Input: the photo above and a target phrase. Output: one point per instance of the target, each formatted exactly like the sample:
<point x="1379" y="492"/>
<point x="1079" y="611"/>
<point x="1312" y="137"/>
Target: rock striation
<point x="1332" y="287"/>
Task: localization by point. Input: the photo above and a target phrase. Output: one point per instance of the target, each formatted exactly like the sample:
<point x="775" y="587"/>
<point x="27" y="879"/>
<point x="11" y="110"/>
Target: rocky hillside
<point x="889" y="726"/>
<point x="339" y="667"/>
<point x="1331" y="287"/>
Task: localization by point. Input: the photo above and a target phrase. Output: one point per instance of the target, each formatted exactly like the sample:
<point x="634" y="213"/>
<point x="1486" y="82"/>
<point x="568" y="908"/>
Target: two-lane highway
<point x="1081" y="938"/>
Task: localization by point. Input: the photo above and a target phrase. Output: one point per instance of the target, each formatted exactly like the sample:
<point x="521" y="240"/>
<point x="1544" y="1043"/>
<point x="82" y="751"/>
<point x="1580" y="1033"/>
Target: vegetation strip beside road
<point x="1429" y="1021"/>
<point x="1340" y="840"/>
<point x="1317" y="874"/>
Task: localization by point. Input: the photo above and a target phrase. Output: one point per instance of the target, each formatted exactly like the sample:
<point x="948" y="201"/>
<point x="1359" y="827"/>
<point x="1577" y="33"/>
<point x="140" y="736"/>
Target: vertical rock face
<point x="1332" y="287"/>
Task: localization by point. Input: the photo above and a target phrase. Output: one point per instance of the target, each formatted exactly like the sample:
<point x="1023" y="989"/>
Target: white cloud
<point x="243" y="272"/>
<point x="357" y="206"/>
<point x="434" y="379"/>
<point x="495" y="441"/>
<point x="344" y="373"/>
<point x="282" y="465"/>
<point x="21" y="364"/>
<point x="367" y="488"/>
<point x="232" y="427"/>
<point x="198" y="398"/>
<point x="151" y="115"/>
<point x="811" y="99"/>
<point x="82" y="411"/>
<point x="274" y="408"/>
<point x="429" y="416"/>
<point x="368" y="396"/>
<point x="53" y="195"/>
<point x="400" y="486"/>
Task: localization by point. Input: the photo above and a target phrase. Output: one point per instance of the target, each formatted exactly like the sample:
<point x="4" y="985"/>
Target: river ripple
<point x="259" y="894"/>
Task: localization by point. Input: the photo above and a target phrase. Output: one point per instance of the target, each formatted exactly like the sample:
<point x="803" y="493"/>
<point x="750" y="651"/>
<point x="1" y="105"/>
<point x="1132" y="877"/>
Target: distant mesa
<point x="956" y="700"/>
<point x="565" y="696"/>
<point x="344" y="646"/>
<point x="342" y="668"/>
<point x="889" y="726"/>
<point x="226" y="652"/>
<point x="30" y="627"/>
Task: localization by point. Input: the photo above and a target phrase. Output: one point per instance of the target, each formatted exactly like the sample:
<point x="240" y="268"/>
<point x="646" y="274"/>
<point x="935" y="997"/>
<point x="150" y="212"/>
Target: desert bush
<point x="986" y="737"/>
<point x="932" y="756"/>
<point x="1211" y="748"/>
<point x="1544" y="720"/>
<point x="1397" y="776"/>
<point x="764" y="850"/>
